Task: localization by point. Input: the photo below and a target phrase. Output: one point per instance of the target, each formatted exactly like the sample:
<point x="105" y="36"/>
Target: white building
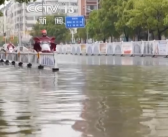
<point x="19" y="19"/>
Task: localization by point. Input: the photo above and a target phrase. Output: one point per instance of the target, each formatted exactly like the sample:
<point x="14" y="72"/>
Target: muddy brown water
<point x="86" y="99"/>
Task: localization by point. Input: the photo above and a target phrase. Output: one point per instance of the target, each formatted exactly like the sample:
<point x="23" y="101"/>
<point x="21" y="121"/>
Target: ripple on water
<point x="27" y="108"/>
<point x="83" y="100"/>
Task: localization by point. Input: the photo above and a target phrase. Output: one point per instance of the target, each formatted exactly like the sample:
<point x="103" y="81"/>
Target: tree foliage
<point x="133" y="18"/>
<point x="20" y="1"/>
<point x="1" y="14"/>
<point x="93" y="26"/>
<point x="81" y="33"/>
<point x="151" y="14"/>
<point x="60" y="32"/>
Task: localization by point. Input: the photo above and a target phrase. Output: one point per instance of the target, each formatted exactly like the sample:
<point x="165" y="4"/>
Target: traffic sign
<point x="75" y="22"/>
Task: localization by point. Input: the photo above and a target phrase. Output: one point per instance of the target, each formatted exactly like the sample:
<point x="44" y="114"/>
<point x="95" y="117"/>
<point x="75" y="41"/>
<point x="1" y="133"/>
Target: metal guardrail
<point x="134" y="48"/>
<point x="40" y="59"/>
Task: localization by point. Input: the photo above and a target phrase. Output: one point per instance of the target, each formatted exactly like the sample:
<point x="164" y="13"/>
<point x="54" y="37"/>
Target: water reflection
<point x="86" y="100"/>
<point x="111" y="60"/>
<point x="33" y="103"/>
<point x="122" y="102"/>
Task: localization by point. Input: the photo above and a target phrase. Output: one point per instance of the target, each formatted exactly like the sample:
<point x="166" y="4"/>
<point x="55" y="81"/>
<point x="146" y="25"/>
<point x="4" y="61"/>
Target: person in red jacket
<point x="44" y="33"/>
<point x="42" y="39"/>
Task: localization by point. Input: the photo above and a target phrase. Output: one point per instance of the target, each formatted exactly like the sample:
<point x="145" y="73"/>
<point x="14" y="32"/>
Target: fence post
<point x="20" y="61"/>
<point x="13" y="58"/>
<point x="6" y="57"/>
<point x="1" y="57"/>
<point x="142" y="49"/>
<point x="99" y="54"/>
<point x="132" y="54"/>
<point x="122" y="54"/>
<point x="153" y="52"/>
<point x="29" y="65"/>
<point x="55" y="63"/>
<point x="166" y="49"/>
<point x="39" y="58"/>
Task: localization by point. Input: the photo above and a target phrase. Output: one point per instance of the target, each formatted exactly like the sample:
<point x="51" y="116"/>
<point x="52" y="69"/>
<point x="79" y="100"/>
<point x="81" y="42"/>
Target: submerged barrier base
<point x="30" y="59"/>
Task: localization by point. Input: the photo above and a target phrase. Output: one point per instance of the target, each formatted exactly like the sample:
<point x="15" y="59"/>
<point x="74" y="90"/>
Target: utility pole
<point x="87" y="35"/>
<point x="97" y="4"/>
<point x="42" y="8"/>
<point x="86" y="22"/>
<point x="4" y="34"/>
<point x="19" y="32"/>
<point x="71" y="29"/>
<point x="148" y="34"/>
<point x="4" y="21"/>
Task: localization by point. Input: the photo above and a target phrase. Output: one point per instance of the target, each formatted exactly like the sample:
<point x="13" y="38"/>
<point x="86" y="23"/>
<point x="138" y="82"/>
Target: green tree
<point x="81" y="34"/>
<point x="1" y="14"/>
<point x="20" y="1"/>
<point x="150" y="14"/>
<point x="129" y="17"/>
<point x="120" y="9"/>
<point x="101" y="22"/>
<point x="95" y="26"/>
<point x="60" y="32"/>
<point x="108" y="17"/>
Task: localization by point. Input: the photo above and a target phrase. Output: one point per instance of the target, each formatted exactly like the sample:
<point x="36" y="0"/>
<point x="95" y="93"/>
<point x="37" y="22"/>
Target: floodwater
<point x="86" y="99"/>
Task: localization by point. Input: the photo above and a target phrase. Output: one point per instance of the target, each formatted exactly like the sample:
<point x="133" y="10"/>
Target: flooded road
<point x="86" y="99"/>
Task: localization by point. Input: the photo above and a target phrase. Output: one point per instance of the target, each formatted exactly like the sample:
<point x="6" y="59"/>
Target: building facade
<point x="18" y="19"/>
<point x="86" y="6"/>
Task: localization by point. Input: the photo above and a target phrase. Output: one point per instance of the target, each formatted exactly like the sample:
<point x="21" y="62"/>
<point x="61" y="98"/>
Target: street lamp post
<point x="19" y="32"/>
<point x="97" y="4"/>
<point x="148" y="34"/>
<point x="87" y="35"/>
<point x="4" y="21"/>
<point x="42" y="8"/>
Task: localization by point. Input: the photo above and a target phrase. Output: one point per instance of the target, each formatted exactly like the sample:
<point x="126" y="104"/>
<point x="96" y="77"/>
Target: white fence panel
<point x="89" y="49"/>
<point x="160" y="47"/>
<point x="148" y="48"/>
<point x="127" y="48"/>
<point x="110" y="50"/>
<point x="117" y="48"/>
<point x="103" y="48"/>
<point x="83" y="49"/>
<point x="95" y="49"/>
<point x="68" y="49"/>
<point x="137" y="48"/>
<point x="47" y="60"/>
